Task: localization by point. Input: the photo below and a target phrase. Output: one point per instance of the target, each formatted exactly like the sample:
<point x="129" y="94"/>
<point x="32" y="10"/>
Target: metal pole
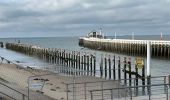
<point x="148" y="58"/>
<point x="102" y="90"/>
<point x="28" y="88"/>
<point x="74" y="98"/>
<point x="148" y="68"/>
<point x="167" y="93"/>
<point x="23" y="97"/>
<point x="111" y="94"/>
<point x="85" y="91"/>
<point x="130" y="94"/>
<point x="67" y="91"/>
<point x="165" y="83"/>
<point x="91" y="95"/>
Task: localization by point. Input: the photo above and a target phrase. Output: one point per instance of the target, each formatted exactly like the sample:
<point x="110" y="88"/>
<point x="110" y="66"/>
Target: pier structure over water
<point x="159" y="48"/>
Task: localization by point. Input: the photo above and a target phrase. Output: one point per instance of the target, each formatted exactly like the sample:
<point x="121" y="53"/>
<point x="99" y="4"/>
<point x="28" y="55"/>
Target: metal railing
<point x="12" y="93"/>
<point x="130" y="94"/>
<point x="115" y="90"/>
<point x="4" y="98"/>
<point x="9" y="90"/>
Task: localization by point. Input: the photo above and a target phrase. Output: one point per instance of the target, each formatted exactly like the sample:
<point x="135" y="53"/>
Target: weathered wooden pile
<point x="131" y="47"/>
<point x="1" y="44"/>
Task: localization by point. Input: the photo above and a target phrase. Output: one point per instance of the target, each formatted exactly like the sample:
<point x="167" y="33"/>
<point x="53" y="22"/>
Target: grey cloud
<point x="123" y="16"/>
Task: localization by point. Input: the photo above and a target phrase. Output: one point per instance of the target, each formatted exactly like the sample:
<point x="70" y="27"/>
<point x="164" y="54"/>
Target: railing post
<point x="67" y="90"/>
<point x="130" y="94"/>
<point x="28" y="87"/>
<point x="23" y="97"/>
<point x="111" y="94"/>
<point x="148" y="68"/>
<point x="149" y="87"/>
<point x="85" y="91"/>
<point x="91" y="94"/>
<point x="167" y="93"/>
<point x="102" y="90"/>
<point x="165" y="83"/>
<point x="74" y="88"/>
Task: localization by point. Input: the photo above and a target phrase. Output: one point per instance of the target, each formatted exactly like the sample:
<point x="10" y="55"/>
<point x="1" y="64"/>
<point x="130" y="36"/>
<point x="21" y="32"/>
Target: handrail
<point x="9" y="61"/>
<point x="9" y="86"/>
<point x="116" y="80"/>
<point x="7" y="95"/>
<point x="130" y="87"/>
<point x="13" y="89"/>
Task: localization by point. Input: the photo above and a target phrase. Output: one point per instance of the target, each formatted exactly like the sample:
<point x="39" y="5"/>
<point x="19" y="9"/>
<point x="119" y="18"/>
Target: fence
<point x="114" y="90"/>
<point x="156" y="93"/>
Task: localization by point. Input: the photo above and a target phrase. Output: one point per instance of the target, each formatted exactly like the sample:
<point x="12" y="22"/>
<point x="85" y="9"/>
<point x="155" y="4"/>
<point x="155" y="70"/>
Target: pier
<point x="159" y="49"/>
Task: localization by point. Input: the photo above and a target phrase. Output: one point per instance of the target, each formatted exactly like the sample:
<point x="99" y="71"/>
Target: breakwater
<point x="70" y="60"/>
<point x="130" y="47"/>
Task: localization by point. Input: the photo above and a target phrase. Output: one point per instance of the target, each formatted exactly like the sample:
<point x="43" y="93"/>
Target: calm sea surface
<point x="158" y="67"/>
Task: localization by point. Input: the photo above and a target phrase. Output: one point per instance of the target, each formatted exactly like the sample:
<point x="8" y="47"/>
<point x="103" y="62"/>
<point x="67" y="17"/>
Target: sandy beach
<point x="51" y="86"/>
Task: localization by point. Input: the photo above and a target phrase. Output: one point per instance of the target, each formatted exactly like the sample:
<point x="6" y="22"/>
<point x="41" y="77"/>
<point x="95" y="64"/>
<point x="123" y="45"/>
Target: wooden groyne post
<point x="1" y="44"/>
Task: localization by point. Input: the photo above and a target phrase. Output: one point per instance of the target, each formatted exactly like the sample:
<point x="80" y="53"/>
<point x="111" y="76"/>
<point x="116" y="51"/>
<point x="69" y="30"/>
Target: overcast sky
<point x="77" y="17"/>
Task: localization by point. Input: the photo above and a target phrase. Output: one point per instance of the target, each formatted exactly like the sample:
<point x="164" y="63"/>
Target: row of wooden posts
<point x="112" y="67"/>
<point x="85" y="63"/>
<point x="71" y="61"/>
<point x="160" y="50"/>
